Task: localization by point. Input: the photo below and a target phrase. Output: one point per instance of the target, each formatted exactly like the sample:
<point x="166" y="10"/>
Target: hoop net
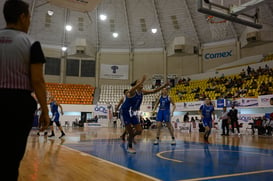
<point x="218" y="27"/>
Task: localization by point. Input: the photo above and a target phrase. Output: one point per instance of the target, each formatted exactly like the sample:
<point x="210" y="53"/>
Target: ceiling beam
<point x="125" y="3"/>
<point x="39" y="5"/>
<point x="98" y="46"/>
<point x="155" y="5"/>
<point x="31" y="13"/>
<point x="191" y="21"/>
<point x="64" y="37"/>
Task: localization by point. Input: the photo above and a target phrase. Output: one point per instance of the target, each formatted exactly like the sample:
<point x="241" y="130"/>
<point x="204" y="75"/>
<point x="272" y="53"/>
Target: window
<point x="88" y="68"/>
<point x="80" y="23"/>
<point x="47" y="20"/>
<point x="72" y="67"/>
<point x="52" y="66"/>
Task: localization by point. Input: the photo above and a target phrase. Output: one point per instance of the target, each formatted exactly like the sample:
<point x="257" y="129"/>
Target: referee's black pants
<point x="235" y="124"/>
<point x="17" y="114"/>
<point x="225" y="126"/>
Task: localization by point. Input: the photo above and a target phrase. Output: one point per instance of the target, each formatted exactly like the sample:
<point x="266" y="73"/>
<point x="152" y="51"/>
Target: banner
<point x="108" y="71"/>
<point x="242" y="102"/>
<point x="220" y="103"/>
<point x="184" y="106"/>
<point x="264" y="101"/>
<point x="103" y="112"/>
<point x="184" y="127"/>
<point x="248" y="118"/>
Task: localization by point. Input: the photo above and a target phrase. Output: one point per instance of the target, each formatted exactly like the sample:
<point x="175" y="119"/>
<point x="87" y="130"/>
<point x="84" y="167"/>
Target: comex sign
<point x="218" y="55"/>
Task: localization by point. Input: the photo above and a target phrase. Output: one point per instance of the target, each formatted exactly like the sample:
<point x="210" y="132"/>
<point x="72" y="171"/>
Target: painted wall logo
<point x="114" y="69"/>
<point x="218" y="55"/>
<point x="244" y="118"/>
<point x="265" y="100"/>
<point x="101" y="109"/>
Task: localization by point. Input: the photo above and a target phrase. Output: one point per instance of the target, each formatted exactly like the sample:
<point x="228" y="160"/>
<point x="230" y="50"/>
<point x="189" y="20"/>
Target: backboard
<point x="245" y="12"/>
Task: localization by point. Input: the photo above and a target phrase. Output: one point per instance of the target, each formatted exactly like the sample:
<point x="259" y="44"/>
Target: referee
<point x="21" y="65"/>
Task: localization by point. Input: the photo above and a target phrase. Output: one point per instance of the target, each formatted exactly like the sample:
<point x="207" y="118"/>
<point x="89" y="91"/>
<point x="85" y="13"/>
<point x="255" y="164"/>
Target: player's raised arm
<point x="156" y="104"/>
<point x="119" y="104"/>
<point x="145" y="92"/>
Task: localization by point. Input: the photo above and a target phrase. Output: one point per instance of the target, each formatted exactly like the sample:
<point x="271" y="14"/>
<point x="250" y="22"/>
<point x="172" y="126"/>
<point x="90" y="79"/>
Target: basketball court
<point x="101" y="54"/>
<point x="226" y="158"/>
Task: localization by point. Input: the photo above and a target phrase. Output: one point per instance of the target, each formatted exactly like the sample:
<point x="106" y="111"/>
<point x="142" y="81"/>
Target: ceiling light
<point x="103" y="17"/>
<point x="50" y="12"/>
<point x="68" y="27"/>
<point x="115" y="35"/>
<point x="154" y="30"/>
<point x="64" y="49"/>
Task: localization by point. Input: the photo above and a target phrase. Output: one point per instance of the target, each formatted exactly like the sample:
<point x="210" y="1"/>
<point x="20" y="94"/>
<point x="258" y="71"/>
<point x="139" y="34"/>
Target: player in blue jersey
<point x="130" y="109"/>
<point x="207" y="115"/>
<point x="54" y="107"/>
<point x="164" y="114"/>
<point x="117" y="108"/>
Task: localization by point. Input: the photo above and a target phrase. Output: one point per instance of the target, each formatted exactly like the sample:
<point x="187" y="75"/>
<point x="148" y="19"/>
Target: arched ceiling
<point x="132" y="20"/>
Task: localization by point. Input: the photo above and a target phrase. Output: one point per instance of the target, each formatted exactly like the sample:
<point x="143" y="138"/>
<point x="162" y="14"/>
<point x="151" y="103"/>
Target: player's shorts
<point x="55" y="118"/>
<point x="163" y="115"/>
<point x="207" y="122"/>
<point x="128" y="117"/>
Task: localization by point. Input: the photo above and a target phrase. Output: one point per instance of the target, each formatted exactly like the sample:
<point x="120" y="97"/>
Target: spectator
<point x="248" y="70"/>
<point x="186" y="117"/>
<point x="147" y="123"/>
<point x="180" y="81"/>
<point x="243" y="73"/>
<point x="268" y="125"/>
<point x="196" y="119"/>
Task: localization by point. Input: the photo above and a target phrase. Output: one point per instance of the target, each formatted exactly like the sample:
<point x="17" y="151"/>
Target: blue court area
<point x="186" y="160"/>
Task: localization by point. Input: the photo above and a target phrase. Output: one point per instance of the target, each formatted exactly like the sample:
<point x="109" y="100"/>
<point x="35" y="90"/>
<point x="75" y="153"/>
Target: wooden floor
<point x="48" y="159"/>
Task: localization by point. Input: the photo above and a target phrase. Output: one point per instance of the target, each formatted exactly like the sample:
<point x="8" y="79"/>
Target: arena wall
<point x="156" y="62"/>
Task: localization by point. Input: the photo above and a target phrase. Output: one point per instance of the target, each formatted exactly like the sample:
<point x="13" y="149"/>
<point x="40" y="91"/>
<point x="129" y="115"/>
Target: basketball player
<point x="164" y="114"/>
<point x="121" y="101"/>
<point x="37" y="115"/>
<point x="207" y="115"/>
<point x="54" y="105"/>
<point x="131" y="107"/>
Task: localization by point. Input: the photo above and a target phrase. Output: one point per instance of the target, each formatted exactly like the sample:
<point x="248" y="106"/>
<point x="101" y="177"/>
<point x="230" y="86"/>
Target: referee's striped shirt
<point x="17" y="52"/>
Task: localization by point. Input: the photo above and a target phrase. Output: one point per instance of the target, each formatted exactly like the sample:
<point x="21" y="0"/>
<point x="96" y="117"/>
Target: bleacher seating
<point x="71" y="93"/>
<point x="240" y="86"/>
<point x="111" y="94"/>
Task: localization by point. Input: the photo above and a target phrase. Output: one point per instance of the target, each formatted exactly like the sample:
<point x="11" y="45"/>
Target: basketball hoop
<point x="218" y="27"/>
